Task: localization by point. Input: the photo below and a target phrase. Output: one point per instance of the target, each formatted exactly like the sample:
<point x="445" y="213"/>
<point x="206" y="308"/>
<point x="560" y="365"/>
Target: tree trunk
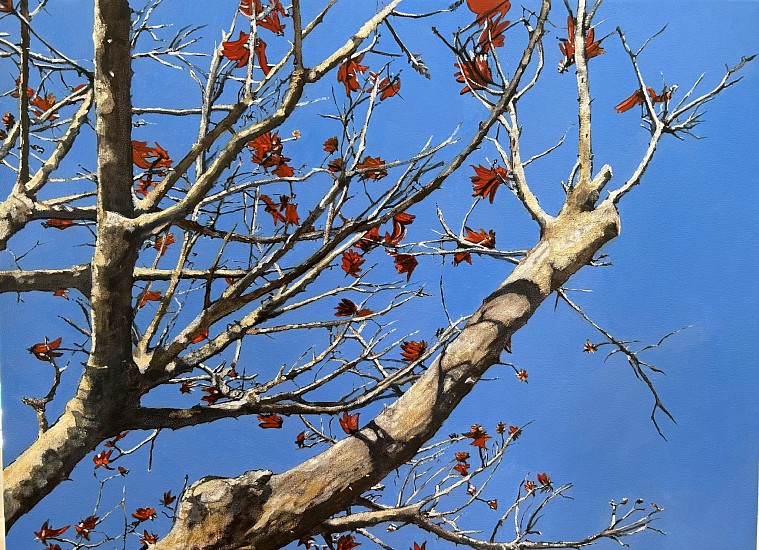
<point x="262" y="511"/>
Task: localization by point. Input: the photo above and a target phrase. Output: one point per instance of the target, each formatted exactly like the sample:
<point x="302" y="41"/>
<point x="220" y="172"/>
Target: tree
<point x="193" y="259"/>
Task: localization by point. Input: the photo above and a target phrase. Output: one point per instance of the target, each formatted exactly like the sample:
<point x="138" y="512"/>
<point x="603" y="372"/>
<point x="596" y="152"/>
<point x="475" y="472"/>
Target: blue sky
<point x="687" y="256"/>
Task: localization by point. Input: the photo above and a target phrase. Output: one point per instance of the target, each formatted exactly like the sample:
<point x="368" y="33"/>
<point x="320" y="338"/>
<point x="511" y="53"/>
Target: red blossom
<point x="336" y="165"/>
<point x="271" y="21"/>
<point x="9" y="120"/>
<point x="462" y="468"/>
<point x="103" y="458"/>
<point x="352" y="262"/>
<point x="413" y="351"/>
<point x="522" y="375"/>
<point x="567" y="46"/>
<point x="461" y="456"/>
<point x="300" y="440"/>
<point x="259" y="48"/>
<point x="84" y="527"/>
<point x="330" y="146"/>
<point x="58" y="223"/>
<point x="237" y="50"/>
<point x="162" y="242"/>
<point x="148" y="538"/>
<point x="370" y="239"/>
<point x="478" y="435"/>
<point x="459" y="257"/>
<point x="272" y="208"/>
<point x="150" y="158"/>
<point x="168" y="499"/>
<point x="637" y="99"/>
<point x="514" y="432"/>
<point x="348" y="71"/>
<point x="405" y="263"/>
<point x="268" y="420"/>
<point x="47" y="532"/>
<point x="387" y="87"/>
<point x="544" y="480"/>
<point x="6" y="6"/>
<point x="488" y="8"/>
<point x="480" y="237"/>
<point x="493" y="504"/>
<point x="418" y="547"/>
<point x="474" y="74"/>
<point x="349" y="422"/>
<point x="150" y="296"/>
<point x="61" y="292"/>
<point x="200" y="336"/>
<point x="589" y="347"/>
<point x="43" y="104"/>
<point x="492" y="35"/>
<point x="529" y="486"/>
<point x="112" y="442"/>
<point x="214" y="394"/>
<point x="186" y="387"/>
<point x="123" y="471"/>
<point x="144" y="514"/>
<point x="45" y="351"/>
<point x="487" y="180"/>
<point x="347" y="542"/>
<point x="348" y="308"/>
<point x="371" y="165"/>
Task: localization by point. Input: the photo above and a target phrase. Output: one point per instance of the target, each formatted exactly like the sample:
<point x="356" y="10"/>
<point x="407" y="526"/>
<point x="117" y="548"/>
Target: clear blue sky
<point x="687" y="255"/>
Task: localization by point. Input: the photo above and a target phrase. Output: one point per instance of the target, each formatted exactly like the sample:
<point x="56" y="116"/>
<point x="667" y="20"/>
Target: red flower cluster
<point x="267" y="152"/>
<point x="567" y="46"/>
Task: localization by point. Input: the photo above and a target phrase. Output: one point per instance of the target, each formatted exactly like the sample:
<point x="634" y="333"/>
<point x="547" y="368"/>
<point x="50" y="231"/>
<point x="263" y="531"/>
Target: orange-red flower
<point x="544" y="480"/>
<point x="567" y="46"/>
<point x="474" y="74"/>
<point x="478" y="435"/>
<point x="405" y="263"/>
<point x="9" y="120"/>
<point x="529" y="486"/>
<point x="637" y="99"/>
<point x="214" y="394"/>
<point x="492" y="35"/>
<point x="272" y="208"/>
<point x="418" y="547"/>
<point x="462" y="468"/>
<point x="493" y="504"/>
<point x="144" y="514"/>
<point x="148" y="538"/>
<point x="487" y="180"/>
<point x="162" y="242"/>
<point x="589" y="347"/>
<point x="349" y="422"/>
<point x="371" y="166"/>
<point x="330" y="146"/>
<point x="186" y="387"/>
<point x="300" y="440"/>
<point x="352" y="262"/>
<point x="522" y="375"/>
<point x="61" y="292"/>
<point x="112" y="442"/>
<point x="459" y="257"/>
<point x="84" y="527"/>
<point x="347" y="542"/>
<point x="387" y="87"/>
<point x="47" y="532"/>
<point x="514" y="432"/>
<point x="500" y="428"/>
<point x="480" y="237"/>
<point x="259" y="48"/>
<point x="58" y="223"/>
<point x="347" y="308"/>
<point x="150" y="296"/>
<point x="461" y="456"/>
<point x="123" y="471"/>
<point x="336" y="165"/>
<point x="272" y="20"/>
<point x="43" y="104"/>
<point x="150" y="158"/>
<point x="168" y="499"/>
<point x="347" y="73"/>
<point x="488" y="8"/>
<point x="45" y="351"/>
<point x="6" y="6"/>
<point x="269" y="420"/>
<point x="413" y="351"/>
<point x="103" y="458"/>
<point x="237" y="50"/>
<point x="370" y="239"/>
<point x="200" y="336"/>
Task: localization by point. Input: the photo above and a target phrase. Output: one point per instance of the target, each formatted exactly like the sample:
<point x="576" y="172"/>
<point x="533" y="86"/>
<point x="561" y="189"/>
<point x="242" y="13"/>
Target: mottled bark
<point x="221" y="514"/>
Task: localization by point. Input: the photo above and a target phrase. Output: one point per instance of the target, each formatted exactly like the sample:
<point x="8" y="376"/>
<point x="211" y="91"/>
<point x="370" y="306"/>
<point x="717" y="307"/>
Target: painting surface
<point x="400" y="212"/>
